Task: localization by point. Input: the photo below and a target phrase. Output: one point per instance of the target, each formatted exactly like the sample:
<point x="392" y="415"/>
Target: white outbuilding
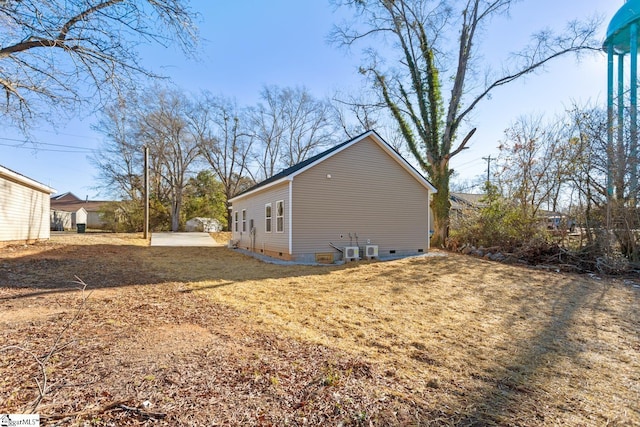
<point x="24" y="208"/>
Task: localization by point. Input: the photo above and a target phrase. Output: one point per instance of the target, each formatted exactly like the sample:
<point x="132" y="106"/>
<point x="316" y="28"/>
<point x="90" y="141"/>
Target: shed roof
<point x="289" y="173"/>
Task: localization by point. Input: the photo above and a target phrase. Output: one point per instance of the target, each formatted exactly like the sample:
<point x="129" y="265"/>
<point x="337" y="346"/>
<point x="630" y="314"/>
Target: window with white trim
<point x="235" y="220"/>
<point x="267" y="217"/>
<point x="244" y="220"/>
<point x="280" y="216"/>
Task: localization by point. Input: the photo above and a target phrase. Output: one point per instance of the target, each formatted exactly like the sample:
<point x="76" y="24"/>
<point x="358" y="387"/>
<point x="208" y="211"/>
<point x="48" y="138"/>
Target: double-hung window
<point x="235" y="221"/>
<point x="267" y="217"/>
<point x="280" y="216"/>
<point x="244" y="220"/>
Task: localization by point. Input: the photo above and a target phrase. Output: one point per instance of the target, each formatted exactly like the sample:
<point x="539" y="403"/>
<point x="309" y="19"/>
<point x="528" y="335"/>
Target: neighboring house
<point x="62" y="220"/>
<point x="24" y="208"/>
<point x="358" y="194"/>
<point x="462" y="202"/>
<point x="556" y="221"/>
<point x="68" y="210"/>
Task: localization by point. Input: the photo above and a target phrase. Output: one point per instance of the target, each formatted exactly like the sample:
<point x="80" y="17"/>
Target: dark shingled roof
<point x="293" y="169"/>
<point x="290" y="170"/>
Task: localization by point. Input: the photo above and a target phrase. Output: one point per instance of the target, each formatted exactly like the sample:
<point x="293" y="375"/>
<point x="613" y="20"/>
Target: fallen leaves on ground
<point x="207" y="336"/>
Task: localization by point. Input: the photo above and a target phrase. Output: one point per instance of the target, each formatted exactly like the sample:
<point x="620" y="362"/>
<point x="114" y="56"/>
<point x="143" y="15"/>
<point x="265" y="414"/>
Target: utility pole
<point x="488" y="159"/>
<point x="146" y="193"/>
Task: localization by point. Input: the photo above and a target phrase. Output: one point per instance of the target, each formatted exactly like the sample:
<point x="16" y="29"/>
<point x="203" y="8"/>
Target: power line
<point x="81" y="150"/>
<point x="467" y="163"/>
<point x="35" y="146"/>
<point x="24" y="141"/>
<point x="68" y="134"/>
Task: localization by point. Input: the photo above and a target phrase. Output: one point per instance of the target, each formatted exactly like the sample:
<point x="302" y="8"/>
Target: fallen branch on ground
<point x="102" y="409"/>
<point x="42" y="361"/>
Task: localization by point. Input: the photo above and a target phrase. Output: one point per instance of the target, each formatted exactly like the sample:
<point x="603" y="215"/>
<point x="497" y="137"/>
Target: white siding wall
<point x="60" y="220"/>
<point x="24" y="212"/>
<point x="272" y="243"/>
<point x="369" y="195"/>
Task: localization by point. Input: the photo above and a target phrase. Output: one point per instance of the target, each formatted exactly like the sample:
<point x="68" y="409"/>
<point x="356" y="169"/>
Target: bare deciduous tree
<point x="61" y="53"/>
<point x="413" y="88"/>
<point x="224" y="143"/>
<point x="119" y="161"/>
<point x="290" y="125"/>
<point x="161" y="120"/>
<point x="588" y="170"/>
<point x="164" y="126"/>
<point x="534" y="163"/>
<point x="602" y="178"/>
<point x="356" y="114"/>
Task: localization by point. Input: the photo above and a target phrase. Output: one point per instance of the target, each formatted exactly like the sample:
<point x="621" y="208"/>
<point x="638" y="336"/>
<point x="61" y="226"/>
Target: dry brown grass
<point x="211" y="336"/>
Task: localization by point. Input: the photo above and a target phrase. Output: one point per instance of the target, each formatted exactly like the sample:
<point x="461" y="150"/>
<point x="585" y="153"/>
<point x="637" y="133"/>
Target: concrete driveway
<point x="183" y="239"/>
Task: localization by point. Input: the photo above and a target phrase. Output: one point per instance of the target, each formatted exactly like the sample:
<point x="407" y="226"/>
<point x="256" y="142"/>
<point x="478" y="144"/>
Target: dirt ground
<point x="208" y="336"/>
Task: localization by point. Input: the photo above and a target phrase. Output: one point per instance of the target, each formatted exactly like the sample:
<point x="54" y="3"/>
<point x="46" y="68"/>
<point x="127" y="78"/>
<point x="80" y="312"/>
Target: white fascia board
<point x="16" y="177"/>
<point x="398" y="158"/>
<point x="290" y="217"/>
<point x="257" y="190"/>
<point x="309" y="166"/>
<point x="387" y="148"/>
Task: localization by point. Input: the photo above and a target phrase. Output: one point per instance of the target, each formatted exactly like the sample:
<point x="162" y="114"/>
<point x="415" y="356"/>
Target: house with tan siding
<point x="24" y="208"/>
<point x="359" y="199"/>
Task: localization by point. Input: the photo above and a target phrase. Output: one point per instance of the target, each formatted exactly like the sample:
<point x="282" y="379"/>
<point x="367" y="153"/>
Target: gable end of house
<point x="290" y="173"/>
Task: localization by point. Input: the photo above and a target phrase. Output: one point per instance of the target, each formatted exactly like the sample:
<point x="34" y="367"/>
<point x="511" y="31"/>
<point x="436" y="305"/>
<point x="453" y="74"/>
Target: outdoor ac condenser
<point x="351" y="253"/>
<point x="371" y="251"/>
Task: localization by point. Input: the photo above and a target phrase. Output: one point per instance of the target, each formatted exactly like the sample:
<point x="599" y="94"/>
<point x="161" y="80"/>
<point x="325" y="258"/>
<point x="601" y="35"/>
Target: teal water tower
<point x="622" y="39"/>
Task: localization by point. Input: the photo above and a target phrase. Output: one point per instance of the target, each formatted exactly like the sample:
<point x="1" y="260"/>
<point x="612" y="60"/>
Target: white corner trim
<point x="290" y="217"/>
<point x="428" y="221"/>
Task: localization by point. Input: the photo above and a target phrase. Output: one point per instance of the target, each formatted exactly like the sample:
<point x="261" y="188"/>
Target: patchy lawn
<point x="207" y="336"/>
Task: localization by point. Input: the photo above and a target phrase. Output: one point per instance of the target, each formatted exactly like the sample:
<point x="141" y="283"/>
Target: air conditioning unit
<point x="351" y="253"/>
<point x="371" y="251"/>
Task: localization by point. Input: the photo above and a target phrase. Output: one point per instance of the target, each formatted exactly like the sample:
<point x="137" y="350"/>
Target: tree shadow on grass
<point x="509" y="392"/>
<point x="112" y="266"/>
<point x="523" y="327"/>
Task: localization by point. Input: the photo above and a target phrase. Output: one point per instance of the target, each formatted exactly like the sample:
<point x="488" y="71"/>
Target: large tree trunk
<point x="176" y="206"/>
<point x="412" y="89"/>
<point x="440" y="204"/>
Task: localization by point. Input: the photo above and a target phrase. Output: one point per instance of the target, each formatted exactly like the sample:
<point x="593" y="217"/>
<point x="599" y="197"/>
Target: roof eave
<point x="259" y="189"/>
<point x="393" y="153"/>
<point x="404" y="163"/>
<point x="17" y="177"/>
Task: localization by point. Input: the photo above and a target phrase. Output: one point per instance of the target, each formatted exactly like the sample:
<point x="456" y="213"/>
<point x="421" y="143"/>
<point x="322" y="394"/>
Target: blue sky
<point x="251" y="43"/>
